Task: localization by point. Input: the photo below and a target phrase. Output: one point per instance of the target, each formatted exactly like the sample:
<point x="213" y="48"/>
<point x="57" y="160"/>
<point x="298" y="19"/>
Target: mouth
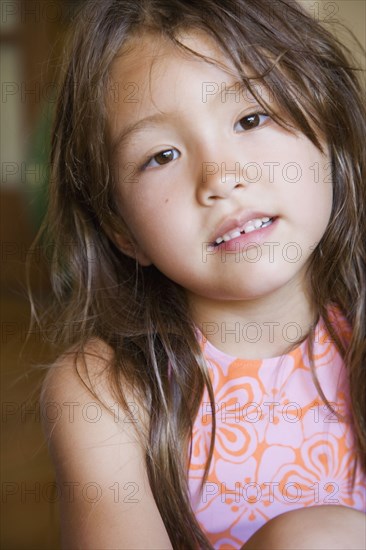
<point x="250" y="226"/>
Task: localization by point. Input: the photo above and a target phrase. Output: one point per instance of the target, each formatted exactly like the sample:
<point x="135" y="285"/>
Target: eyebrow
<point x="150" y="121"/>
<point x="239" y="86"/>
<point x="239" y="83"/>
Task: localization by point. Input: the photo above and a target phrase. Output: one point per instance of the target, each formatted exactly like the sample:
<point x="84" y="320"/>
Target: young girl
<point x="207" y="224"/>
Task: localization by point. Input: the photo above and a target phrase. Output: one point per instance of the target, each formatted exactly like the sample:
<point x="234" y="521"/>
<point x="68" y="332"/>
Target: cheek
<point x="317" y="207"/>
<point x="151" y="218"/>
<point x="321" y="196"/>
<point x="309" y="200"/>
<point x="315" y="183"/>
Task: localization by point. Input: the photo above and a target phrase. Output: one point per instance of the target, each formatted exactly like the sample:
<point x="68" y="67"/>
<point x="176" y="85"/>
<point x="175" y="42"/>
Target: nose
<point x="218" y="179"/>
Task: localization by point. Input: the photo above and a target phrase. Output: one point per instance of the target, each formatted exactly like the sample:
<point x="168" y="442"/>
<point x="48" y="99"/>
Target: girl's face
<point x="196" y="163"/>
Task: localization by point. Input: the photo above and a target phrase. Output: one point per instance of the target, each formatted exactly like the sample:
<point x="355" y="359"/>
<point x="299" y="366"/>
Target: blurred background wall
<point x="32" y="36"/>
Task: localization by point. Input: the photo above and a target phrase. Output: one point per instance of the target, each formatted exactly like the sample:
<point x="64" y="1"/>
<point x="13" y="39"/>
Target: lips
<point x="237" y="223"/>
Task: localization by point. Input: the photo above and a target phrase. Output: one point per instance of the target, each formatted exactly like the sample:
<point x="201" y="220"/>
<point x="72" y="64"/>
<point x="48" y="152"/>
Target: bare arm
<point x="322" y="527"/>
<point x="106" y="498"/>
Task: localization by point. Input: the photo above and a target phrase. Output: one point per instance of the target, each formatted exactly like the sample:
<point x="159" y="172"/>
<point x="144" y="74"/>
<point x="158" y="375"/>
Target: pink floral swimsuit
<point x="277" y="447"/>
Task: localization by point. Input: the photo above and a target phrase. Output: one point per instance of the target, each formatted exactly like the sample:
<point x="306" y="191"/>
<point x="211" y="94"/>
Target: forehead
<point x="148" y="50"/>
<point x="150" y="70"/>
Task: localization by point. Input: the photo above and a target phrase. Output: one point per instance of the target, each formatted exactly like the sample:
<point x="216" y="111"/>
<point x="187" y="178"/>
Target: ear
<point x="131" y="249"/>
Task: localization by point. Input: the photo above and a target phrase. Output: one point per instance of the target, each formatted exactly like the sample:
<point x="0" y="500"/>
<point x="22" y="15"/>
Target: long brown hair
<point x="141" y="314"/>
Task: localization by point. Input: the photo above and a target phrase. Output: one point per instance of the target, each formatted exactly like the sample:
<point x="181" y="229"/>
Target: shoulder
<point x="97" y="353"/>
<point x="79" y="408"/>
<point x="91" y="363"/>
<point x="84" y="378"/>
<point x="98" y="455"/>
<point x="78" y="400"/>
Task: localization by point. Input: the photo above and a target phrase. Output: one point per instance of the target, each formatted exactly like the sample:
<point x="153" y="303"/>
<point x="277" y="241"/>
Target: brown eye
<point x="164" y="157"/>
<point x="252" y="121"/>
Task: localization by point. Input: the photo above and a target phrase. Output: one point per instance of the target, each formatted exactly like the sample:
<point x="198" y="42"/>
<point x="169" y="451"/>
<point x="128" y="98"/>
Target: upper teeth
<point x="249" y="226"/>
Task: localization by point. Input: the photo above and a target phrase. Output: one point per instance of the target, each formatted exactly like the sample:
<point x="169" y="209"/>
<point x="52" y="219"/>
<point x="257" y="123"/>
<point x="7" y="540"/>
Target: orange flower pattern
<point x="277" y="447"/>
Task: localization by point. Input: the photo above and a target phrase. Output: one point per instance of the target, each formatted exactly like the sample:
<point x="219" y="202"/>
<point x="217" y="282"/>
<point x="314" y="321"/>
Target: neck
<point x="258" y="328"/>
